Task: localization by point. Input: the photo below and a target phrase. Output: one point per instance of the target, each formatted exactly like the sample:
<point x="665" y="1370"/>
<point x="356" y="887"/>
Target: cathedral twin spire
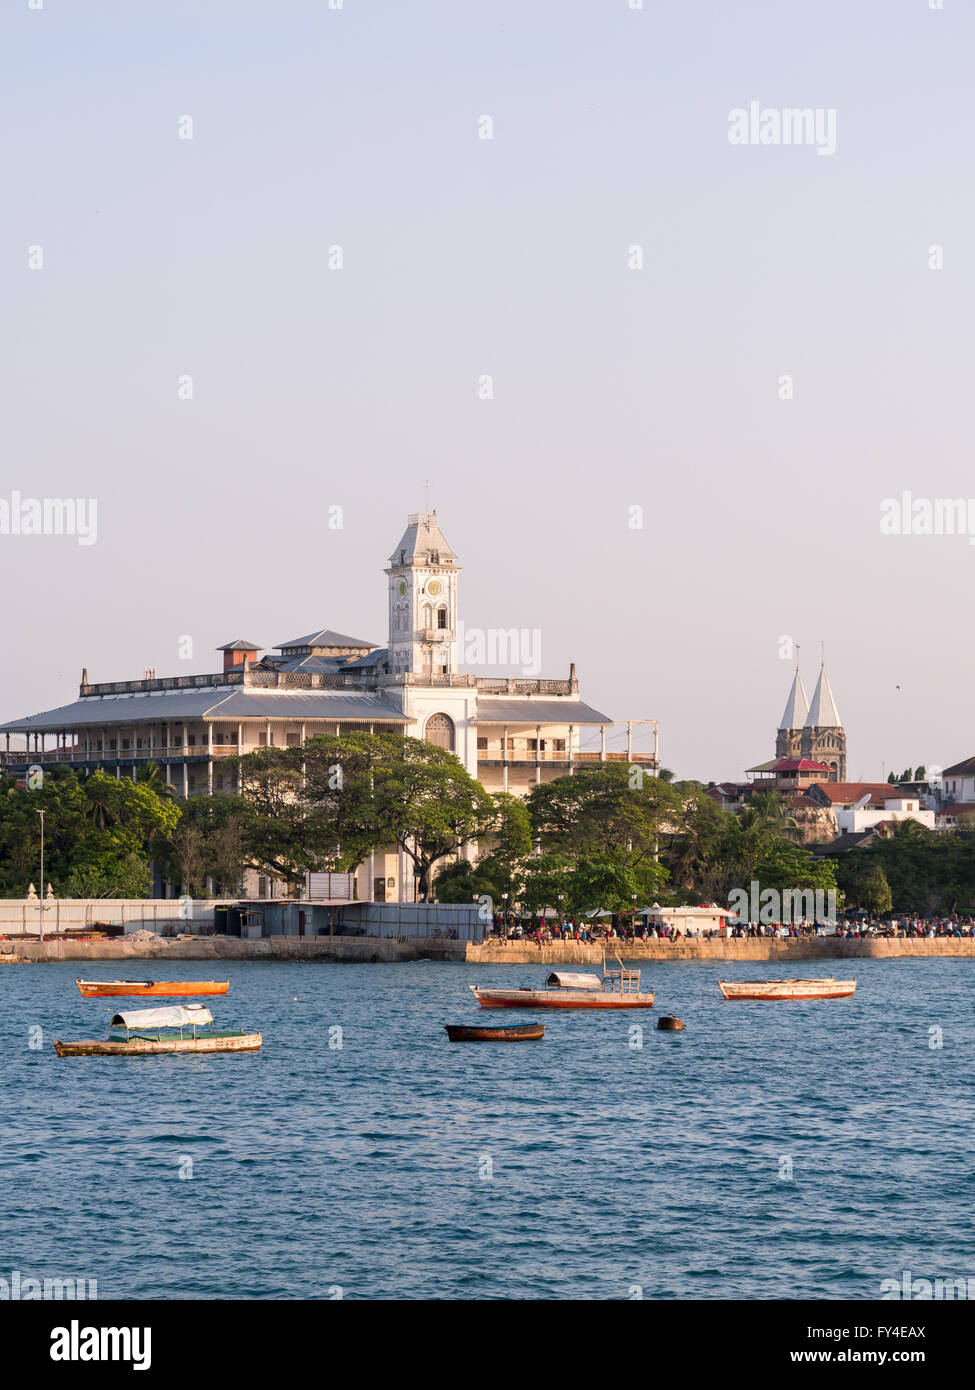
<point x="813" y="730"/>
<point x="821" y="714"/>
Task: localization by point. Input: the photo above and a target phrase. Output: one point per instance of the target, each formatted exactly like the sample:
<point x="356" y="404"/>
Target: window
<point x="440" y="731"/>
<point x="442" y="619"/>
<point x="482" y="744"/>
<point x="292" y="740"/>
<point x="558" y="744"/>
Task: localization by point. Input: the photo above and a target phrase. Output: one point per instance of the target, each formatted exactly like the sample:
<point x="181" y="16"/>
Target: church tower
<point x="423" y="573"/>
<point x="788" y="740"/>
<point x="823" y="735"/>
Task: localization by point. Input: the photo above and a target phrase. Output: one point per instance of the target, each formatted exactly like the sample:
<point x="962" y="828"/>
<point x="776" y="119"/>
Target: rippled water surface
<point x="402" y="1166"/>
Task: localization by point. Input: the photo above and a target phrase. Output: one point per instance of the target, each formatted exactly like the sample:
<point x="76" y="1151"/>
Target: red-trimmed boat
<point x="618" y="989"/>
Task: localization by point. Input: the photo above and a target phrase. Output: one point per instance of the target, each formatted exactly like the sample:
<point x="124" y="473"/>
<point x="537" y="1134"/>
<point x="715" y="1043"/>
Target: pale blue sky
<point x="612" y="387"/>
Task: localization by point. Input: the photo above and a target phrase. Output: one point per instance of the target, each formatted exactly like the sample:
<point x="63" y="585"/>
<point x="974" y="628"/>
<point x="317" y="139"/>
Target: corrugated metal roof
<point x="531" y="710"/>
<point x="375" y="658"/>
<point x="115" y="709"/>
<point x="310" y="704"/>
<point x="325" y="638"/>
<point x="213" y="703"/>
<point x="327" y="664"/>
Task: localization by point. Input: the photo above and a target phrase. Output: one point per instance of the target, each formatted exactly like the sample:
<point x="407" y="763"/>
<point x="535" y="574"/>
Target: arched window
<point x="440" y="731"/>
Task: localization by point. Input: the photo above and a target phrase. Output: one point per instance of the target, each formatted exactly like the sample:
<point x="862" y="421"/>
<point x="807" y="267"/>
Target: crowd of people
<point x="620" y="929"/>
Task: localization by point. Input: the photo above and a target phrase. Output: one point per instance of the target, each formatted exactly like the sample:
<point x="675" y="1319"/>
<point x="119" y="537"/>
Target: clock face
<point x="435" y="588"/>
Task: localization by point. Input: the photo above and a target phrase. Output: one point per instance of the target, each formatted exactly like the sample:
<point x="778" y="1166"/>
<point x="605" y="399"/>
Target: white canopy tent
<point x="178" y="1016"/>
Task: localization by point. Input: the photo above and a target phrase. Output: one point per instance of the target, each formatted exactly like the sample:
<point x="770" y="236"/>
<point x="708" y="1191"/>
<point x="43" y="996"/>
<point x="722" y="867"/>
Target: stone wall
<point x="217" y="948"/>
<point x="722" y="948"/>
<point x="374" y="949"/>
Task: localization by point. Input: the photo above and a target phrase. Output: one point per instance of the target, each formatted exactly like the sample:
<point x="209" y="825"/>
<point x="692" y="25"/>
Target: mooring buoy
<point x="671" y="1023"/>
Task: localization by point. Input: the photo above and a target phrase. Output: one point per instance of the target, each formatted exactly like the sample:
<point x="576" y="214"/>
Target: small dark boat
<point x="670" y="1023"/>
<point x="523" y="1032"/>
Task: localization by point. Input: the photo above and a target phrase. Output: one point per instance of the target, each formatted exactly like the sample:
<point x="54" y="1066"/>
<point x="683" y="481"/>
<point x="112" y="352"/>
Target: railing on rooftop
<point x="366" y="677"/>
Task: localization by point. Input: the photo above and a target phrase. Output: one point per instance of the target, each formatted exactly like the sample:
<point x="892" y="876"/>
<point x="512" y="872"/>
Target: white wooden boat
<point x="827" y="988"/>
<point x="564" y="989"/>
<point x="151" y="1031"/>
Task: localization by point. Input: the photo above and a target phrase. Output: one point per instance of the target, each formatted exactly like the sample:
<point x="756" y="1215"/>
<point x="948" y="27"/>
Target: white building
<point x="510" y="732"/>
<point x="873" y="810"/>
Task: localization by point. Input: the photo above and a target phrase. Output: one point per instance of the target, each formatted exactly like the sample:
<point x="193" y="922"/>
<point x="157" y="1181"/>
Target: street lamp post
<point x="41" y="814"/>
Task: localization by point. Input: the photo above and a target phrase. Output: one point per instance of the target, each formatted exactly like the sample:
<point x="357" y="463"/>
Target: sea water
<point x="771" y="1150"/>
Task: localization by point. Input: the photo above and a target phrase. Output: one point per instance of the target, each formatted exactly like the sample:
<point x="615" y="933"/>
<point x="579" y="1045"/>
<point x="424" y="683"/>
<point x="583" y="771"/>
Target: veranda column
<point x="602" y="743"/>
<point x="571" y="731"/>
<point x="538" y="754"/>
<point x="629" y="740"/>
<point x="209" y="758"/>
<point x="504" y="757"/>
<point x="240" y="750"/>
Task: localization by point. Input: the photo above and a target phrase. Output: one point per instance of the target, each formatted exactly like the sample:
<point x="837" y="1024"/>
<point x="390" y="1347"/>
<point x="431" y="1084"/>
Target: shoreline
<point x="381" y="950"/>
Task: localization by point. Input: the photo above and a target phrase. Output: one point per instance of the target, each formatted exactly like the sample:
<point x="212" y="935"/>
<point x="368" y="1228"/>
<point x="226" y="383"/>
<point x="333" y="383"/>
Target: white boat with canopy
<point x="180" y="1028"/>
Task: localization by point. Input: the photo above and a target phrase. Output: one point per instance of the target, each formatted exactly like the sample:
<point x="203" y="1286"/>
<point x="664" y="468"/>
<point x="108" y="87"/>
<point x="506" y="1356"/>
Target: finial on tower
<point x="427" y="485"/>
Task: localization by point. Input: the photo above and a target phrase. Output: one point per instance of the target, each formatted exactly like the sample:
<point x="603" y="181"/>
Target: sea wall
<point x="217" y="948"/>
<point x="374" y="949"/>
<point x="721" y="948"/>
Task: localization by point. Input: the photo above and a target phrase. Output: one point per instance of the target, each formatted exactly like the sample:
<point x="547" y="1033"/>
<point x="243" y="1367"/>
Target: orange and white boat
<point x="618" y="989"/>
<point x="827" y="988"/>
<point x="108" y="989"/>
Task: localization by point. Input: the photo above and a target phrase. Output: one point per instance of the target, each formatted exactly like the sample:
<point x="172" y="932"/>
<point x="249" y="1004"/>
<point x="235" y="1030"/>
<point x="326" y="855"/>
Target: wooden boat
<point x="828" y="988"/>
<point x="523" y="1032"/>
<point x="618" y="989"/>
<point x="107" y="989"/>
<point x="151" y="1031"/>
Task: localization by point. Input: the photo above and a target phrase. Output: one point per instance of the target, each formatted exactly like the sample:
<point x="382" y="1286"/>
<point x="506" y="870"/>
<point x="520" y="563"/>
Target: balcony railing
<point x="19" y="757"/>
<point x="555" y="755"/>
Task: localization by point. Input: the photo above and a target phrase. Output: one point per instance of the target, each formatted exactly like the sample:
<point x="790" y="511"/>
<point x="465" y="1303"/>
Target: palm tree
<point x="102" y="801"/>
<point x="770" y="812"/>
<point x="152" y="776"/>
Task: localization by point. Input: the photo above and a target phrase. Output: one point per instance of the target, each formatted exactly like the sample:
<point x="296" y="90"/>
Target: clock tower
<point x="423" y="574"/>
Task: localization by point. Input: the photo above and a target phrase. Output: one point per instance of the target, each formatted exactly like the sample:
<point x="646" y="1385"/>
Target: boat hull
<point x="559" y="999"/>
<point x="528" y="1032"/>
<point x="785" y="990"/>
<point x="146" y="1047"/>
<point x="112" y="989"/>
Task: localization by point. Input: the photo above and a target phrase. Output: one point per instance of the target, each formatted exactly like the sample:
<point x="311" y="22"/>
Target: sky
<point x="259" y="262"/>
